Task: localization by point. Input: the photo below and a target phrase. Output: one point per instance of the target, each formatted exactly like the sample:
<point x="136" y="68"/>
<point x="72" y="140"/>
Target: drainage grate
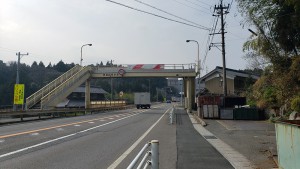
<point x="210" y="137"/>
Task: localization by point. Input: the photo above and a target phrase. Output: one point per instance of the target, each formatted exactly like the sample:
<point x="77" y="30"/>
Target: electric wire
<point x="191" y="7"/>
<point x="195" y="26"/>
<point x="31" y="54"/>
<point x="7" y="49"/>
<point x="203" y="3"/>
<point x="210" y="39"/>
<point x="196" y="4"/>
<point x="167" y="12"/>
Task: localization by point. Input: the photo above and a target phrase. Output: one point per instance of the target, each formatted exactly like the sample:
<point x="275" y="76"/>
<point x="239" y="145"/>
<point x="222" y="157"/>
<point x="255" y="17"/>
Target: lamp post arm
<point x="81" y="52"/>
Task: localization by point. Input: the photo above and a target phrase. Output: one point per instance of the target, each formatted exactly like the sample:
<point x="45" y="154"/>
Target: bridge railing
<point x="190" y="66"/>
<point x="113" y="103"/>
<point x="137" y="67"/>
<point x="67" y="83"/>
<point x="36" y="97"/>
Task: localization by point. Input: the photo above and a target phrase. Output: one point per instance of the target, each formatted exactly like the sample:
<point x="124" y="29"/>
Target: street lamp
<point x="198" y="61"/>
<point x="81" y="52"/>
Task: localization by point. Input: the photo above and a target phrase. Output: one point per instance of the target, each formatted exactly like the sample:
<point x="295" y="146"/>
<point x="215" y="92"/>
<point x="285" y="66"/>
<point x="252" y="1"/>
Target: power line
<point x="203" y="3"/>
<point x="202" y="27"/>
<point x="197" y="4"/>
<point x="210" y="38"/>
<point x="8" y="50"/>
<point x="167" y="12"/>
<point x="32" y="54"/>
<point x="191" y="7"/>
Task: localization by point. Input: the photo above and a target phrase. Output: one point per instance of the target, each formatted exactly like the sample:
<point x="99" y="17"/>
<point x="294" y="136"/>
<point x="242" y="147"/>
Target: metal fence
<point x="153" y="153"/>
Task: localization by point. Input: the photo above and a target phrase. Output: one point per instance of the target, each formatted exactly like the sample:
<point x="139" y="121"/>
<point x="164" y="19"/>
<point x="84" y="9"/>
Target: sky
<point x="54" y="30"/>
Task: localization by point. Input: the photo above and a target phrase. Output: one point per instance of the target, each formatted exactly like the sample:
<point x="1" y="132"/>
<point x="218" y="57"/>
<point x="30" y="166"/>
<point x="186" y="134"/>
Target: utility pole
<point x="220" y="12"/>
<point x="17" y="78"/>
<point x="18" y="65"/>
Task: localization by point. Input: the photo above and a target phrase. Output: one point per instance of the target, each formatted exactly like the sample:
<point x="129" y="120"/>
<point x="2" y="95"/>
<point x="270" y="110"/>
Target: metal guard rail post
<point x="171" y="116"/>
<point x="154" y="153"/>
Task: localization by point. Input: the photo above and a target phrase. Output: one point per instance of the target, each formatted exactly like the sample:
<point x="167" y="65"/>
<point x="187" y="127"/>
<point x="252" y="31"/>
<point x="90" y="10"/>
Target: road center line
<point x="63" y="137"/>
<point x="129" y="150"/>
<point x="53" y="127"/>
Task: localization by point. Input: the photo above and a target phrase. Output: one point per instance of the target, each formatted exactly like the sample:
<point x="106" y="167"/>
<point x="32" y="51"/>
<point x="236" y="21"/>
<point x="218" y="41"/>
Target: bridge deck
<point x="175" y="70"/>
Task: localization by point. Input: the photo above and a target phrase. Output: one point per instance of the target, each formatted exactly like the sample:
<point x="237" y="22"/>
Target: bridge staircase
<point x="56" y="91"/>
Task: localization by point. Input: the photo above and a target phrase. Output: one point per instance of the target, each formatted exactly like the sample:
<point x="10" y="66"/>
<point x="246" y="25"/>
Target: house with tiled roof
<point x="237" y="81"/>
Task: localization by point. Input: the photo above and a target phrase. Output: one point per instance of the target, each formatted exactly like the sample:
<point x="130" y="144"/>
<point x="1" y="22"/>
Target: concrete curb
<point x="201" y="121"/>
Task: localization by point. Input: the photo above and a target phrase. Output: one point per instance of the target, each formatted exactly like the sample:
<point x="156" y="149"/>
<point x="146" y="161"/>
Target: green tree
<point x="41" y="64"/>
<point x="276" y="45"/>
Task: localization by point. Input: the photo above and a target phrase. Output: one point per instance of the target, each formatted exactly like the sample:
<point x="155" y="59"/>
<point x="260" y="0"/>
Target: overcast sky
<point x="54" y="30"/>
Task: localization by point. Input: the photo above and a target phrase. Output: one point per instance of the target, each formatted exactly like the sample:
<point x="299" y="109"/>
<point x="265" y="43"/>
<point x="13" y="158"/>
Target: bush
<point x="295" y="105"/>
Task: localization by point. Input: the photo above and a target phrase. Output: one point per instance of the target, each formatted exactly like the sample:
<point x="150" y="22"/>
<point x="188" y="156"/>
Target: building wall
<point x="214" y="86"/>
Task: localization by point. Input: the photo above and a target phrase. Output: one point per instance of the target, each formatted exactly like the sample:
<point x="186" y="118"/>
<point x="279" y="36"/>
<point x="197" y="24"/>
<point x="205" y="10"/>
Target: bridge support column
<point x="185" y="94"/>
<point x="190" y="93"/>
<point x="87" y="94"/>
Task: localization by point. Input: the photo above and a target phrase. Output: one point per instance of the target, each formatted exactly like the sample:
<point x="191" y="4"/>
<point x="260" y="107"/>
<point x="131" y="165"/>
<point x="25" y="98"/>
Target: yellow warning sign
<point x="19" y="94"/>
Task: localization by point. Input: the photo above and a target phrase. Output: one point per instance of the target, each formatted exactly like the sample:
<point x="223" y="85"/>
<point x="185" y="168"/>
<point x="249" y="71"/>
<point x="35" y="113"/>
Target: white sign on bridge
<point x="146" y="66"/>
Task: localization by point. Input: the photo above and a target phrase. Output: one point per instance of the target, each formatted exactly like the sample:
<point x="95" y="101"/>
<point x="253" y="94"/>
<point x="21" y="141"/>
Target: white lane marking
<point x="60" y="138"/>
<point x="227" y="151"/>
<point x="35" y="134"/>
<point x="2" y="141"/>
<point x="128" y="151"/>
<point x="91" y="122"/>
<point x="77" y="125"/>
<point x="111" y="118"/>
<point x="59" y="129"/>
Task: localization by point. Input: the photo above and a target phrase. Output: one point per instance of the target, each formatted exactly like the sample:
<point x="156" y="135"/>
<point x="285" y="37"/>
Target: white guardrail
<point x="171" y="116"/>
<point x="154" y="153"/>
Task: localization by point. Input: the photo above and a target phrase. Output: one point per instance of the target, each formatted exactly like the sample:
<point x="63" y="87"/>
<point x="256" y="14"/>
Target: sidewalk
<point x="182" y="147"/>
<point x="186" y="144"/>
<point x="193" y="150"/>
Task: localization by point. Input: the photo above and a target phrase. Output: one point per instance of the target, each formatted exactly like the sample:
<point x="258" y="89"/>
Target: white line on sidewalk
<point x="129" y="150"/>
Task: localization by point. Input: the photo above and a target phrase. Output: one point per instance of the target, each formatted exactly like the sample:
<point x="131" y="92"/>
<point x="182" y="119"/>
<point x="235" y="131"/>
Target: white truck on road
<point x="142" y="100"/>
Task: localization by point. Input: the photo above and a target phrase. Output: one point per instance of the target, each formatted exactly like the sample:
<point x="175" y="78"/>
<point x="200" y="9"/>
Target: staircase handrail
<point x="35" y="97"/>
<point x="65" y="84"/>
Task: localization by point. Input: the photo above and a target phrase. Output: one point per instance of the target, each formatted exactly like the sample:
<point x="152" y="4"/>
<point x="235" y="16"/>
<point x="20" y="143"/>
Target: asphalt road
<point x="91" y="141"/>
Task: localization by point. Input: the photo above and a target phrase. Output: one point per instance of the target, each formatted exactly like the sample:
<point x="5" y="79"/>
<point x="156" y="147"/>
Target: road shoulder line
<point x="133" y="146"/>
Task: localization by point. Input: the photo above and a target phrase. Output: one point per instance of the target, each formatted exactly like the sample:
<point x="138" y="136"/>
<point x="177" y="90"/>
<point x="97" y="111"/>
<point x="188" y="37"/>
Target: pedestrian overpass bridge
<point x="57" y="90"/>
